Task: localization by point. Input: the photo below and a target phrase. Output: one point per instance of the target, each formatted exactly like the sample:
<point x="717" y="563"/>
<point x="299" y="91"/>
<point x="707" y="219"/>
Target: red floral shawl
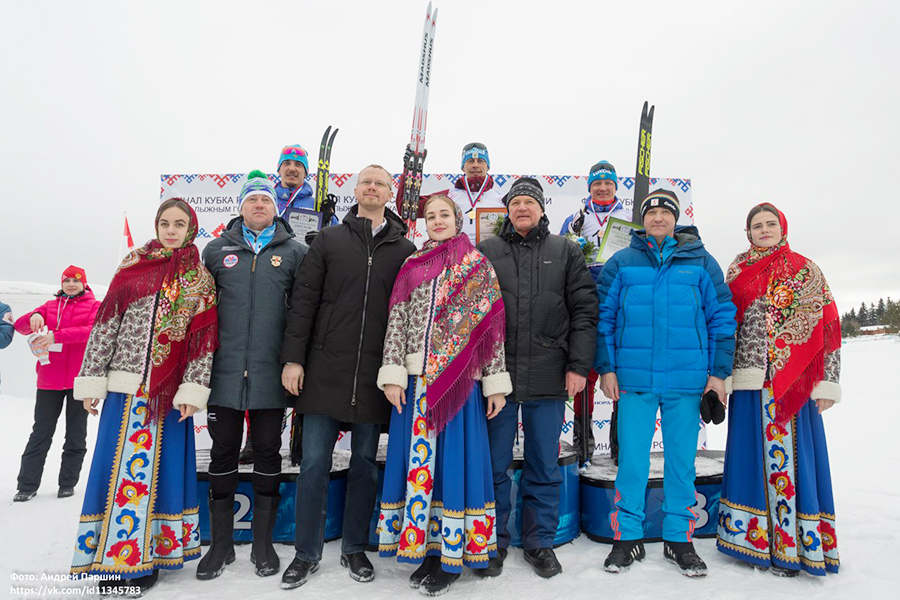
<point x="469" y="321"/>
<point x="182" y="330"/>
<point x="802" y="321"/>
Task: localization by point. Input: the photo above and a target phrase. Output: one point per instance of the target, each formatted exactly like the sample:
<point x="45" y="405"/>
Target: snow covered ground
<point x="38" y="536"/>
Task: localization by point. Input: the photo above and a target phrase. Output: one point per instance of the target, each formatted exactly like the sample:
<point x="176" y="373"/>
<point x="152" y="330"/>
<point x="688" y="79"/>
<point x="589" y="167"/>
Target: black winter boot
<point x="623" y="555"/>
<point x="246" y="455"/>
<point x="544" y="562"/>
<point x="427" y="566"/>
<point x="494" y="566"/>
<point x="437" y="582"/>
<point x="576" y="441"/>
<point x="136" y="588"/>
<point x="262" y="554"/>
<point x="221" y="548"/>
<point x="684" y="555"/>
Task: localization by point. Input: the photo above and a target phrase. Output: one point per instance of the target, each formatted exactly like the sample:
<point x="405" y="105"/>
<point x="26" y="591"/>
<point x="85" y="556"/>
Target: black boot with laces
<point x="684" y="555"/>
<point x="623" y="555"/>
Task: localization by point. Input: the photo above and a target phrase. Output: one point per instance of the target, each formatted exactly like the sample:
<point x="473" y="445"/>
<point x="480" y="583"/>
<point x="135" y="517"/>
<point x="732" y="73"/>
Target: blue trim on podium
<point x="284" y="523"/>
<point x="597" y="502"/>
<point x="569" y="501"/>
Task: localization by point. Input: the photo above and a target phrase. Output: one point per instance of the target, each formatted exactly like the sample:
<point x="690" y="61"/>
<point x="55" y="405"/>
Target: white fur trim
<point x="748" y="378"/>
<point x="191" y="393"/>
<point x="729" y="385"/>
<point x="391" y="374"/>
<point x="89" y="387"/>
<point x="499" y="383"/>
<point x="827" y="390"/>
<point x="124" y="382"/>
<point x="414" y="363"/>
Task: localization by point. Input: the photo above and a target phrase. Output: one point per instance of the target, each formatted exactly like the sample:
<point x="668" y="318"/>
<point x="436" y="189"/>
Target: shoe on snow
<point x="297" y="573"/>
<point x="683" y="555"/>
<point x="494" y="566"/>
<point x="24" y="496"/>
<point x="623" y="555"/>
<point x="361" y="568"/>
<point x="544" y="562"/>
<point x="437" y="583"/>
<point x="135" y="588"/>
<point x="782" y="572"/>
<point x="427" y="566"/>
<point x="65" y="492"/>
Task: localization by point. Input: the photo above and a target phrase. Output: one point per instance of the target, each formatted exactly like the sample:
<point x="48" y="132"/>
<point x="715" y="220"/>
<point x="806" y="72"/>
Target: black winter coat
<point x="339" y="314"/>
<point x="253" y="292"/>
<point x="551" y="309"/>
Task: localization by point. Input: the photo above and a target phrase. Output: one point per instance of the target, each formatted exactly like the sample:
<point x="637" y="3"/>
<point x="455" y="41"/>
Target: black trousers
<point x="226" y="428"/>
<point x="47" y="409"/>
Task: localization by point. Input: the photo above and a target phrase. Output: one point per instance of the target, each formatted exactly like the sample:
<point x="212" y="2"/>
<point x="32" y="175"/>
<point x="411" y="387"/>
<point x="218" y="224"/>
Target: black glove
<point x="407" y="155"/>
<point x="711" y="409"/>
<point x="310" y="236"/>
<point x="578" y="224"/>
<point x="328" y="207"/>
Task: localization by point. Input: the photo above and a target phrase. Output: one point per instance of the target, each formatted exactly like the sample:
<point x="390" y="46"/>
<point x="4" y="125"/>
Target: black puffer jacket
<point x="551" y="309"/>
<point x="339" y="314"/>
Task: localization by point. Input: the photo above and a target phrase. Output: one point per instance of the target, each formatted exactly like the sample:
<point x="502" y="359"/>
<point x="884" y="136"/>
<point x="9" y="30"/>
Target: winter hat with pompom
<point x="257" y="183"/>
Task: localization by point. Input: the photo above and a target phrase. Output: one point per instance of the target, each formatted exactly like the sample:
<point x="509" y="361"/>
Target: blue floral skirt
<point x="140" y="508"/>
<point x="777" y="506"/>
<point x="438" y="494"/>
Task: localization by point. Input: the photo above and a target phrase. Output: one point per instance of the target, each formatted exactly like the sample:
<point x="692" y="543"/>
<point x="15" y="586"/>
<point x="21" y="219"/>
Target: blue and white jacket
<point x="304" y="198"/>
<point x="667" y="321"/>
<point x="594" y="225"/>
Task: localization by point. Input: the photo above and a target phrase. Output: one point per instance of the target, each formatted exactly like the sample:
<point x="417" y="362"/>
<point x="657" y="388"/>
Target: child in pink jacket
<point x="68" y="319"/>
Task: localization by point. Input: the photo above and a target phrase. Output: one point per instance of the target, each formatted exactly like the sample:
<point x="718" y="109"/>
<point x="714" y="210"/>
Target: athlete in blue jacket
<point x="293" y="191"/>
<point x="665" y="336"/>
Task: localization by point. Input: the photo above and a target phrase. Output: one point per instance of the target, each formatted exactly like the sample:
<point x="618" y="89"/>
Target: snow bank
<point x="39" y="535"/>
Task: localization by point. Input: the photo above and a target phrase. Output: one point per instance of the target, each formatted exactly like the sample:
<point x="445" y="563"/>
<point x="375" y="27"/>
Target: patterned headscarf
<point x="178" y="336"/>
<point x="469" y="320"/>
<point x="802" y="321"/>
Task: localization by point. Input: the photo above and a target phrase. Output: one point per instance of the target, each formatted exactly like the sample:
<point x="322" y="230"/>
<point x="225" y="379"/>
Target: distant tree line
<point x="886" y="313"/>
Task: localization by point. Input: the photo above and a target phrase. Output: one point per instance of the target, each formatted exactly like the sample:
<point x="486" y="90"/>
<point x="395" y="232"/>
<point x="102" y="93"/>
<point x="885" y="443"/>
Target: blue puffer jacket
<point x="666" y="317"/>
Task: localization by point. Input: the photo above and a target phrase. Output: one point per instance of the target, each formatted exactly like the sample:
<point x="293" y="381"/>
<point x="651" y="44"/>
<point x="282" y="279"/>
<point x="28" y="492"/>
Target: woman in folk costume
<point x="777" y="506"/>
<point x="445" y="333"/>
<point x="149" y="356"/>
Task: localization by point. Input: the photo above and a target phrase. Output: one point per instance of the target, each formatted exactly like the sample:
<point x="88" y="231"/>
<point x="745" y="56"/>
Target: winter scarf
<point x="802" y="322"/>
<point x="181" y="332"/>
<point x="469" y="321"/>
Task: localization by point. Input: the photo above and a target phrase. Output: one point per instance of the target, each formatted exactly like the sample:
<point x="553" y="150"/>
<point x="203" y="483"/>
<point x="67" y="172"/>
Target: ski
<point x="414" y="159"/>
<point x="642" y="171"/>
<point x="323" y="174"/>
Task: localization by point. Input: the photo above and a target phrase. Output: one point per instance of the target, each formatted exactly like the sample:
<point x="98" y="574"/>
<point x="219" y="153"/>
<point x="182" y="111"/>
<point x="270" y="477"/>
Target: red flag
<point x="129" y="242"/>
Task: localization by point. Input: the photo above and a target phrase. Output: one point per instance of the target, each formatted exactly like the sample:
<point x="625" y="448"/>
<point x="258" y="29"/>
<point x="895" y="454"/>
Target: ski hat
<point x="475" y="150"/>
<point x="76" y="273"/>
<point x="257" y="183"/>
<point x="661" y="198"/>
<point x="294" y="152"/>
<point x="603" y="170"/>
<point x="526" y="186"/>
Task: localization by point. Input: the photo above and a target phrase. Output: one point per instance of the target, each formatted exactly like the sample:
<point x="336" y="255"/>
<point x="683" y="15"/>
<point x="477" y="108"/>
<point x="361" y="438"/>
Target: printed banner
<point x="215" y="199"/>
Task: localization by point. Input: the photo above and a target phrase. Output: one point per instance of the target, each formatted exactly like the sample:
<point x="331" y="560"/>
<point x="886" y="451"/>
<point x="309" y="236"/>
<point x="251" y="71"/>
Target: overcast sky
<point x="789" y="102"/>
